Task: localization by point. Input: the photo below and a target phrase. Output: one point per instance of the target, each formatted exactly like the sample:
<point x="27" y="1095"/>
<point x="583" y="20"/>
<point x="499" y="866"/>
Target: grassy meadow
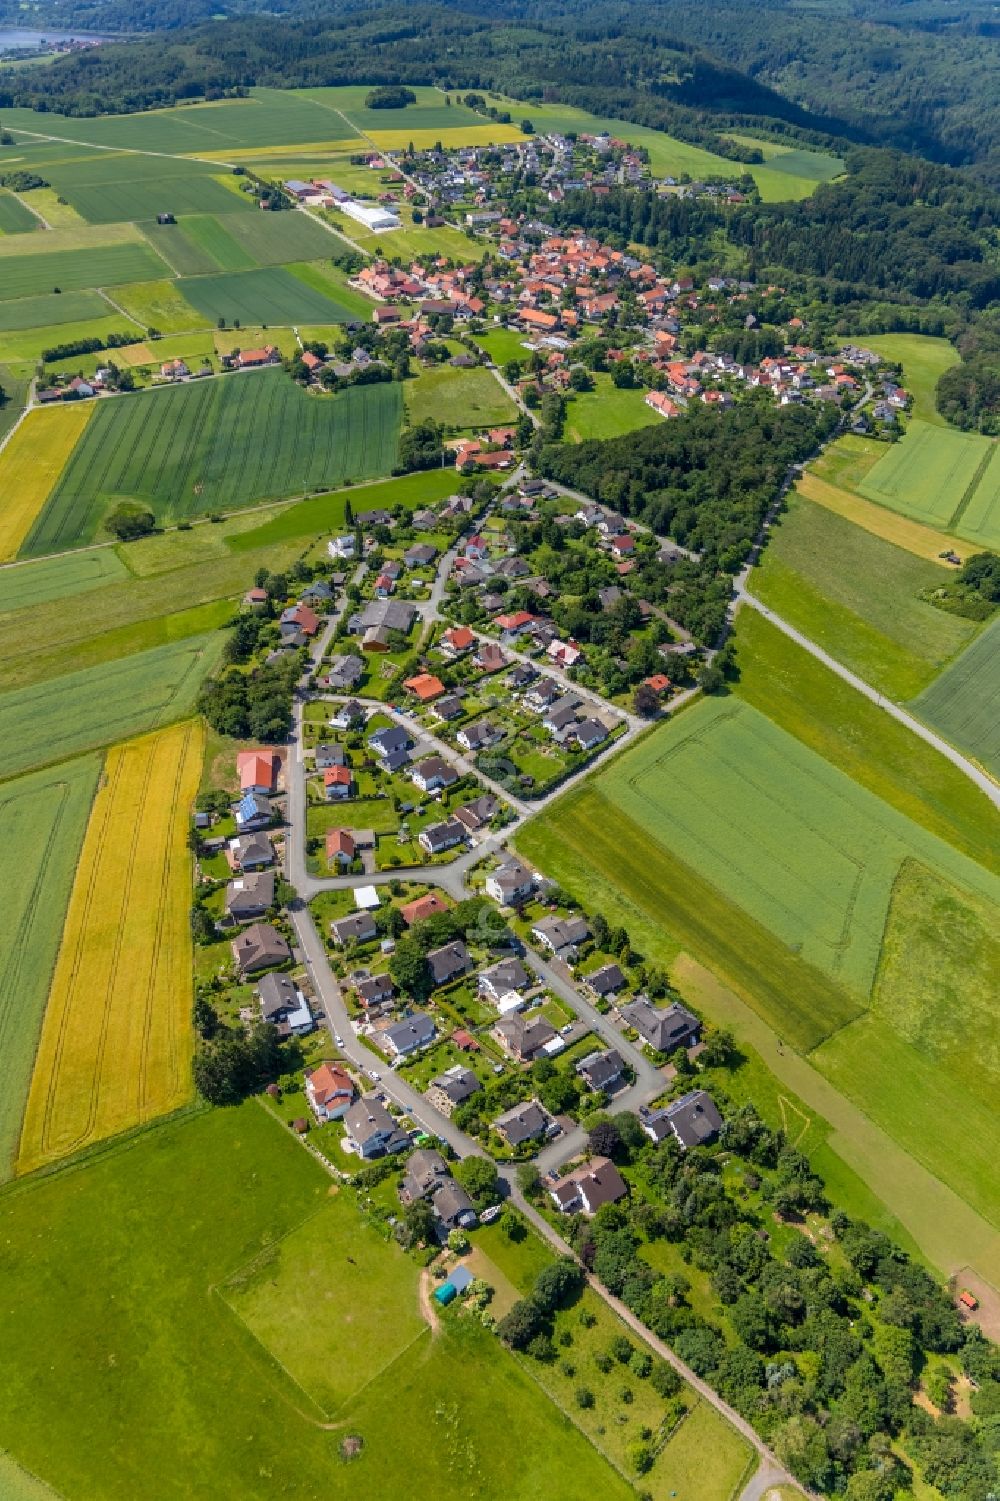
<point x="42" y="821"/>
<point x="84" y="710"/>
<point x="116" y="1043"/>
<point x="46" y="270"/>
<point x="465" y="400"/>
<point x="217" y="444"/>
<point x="963" y="704"/>
<point x="34" y="584"/>
<point x="607" y="412"/>
<point x="250" y="1194"/>
<point x="933" y="474"/>
<point x="861" y="598"/>
<point x="924" y="361"/>
<point x="268" y="296"/>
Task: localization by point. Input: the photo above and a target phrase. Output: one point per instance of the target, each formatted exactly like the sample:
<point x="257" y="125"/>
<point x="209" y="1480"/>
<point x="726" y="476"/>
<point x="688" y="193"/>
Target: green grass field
<point x="27" y="344"/>
<point x="503" y="344"/>
<point x="800" y="847"/>
<point x="158" y="304"/>
<point x="142" y="1358"/>
<point x="321" y="514"/>
<point x="923" y="360"/>
<point x="276" y="239"/>
<point x="466" y="400"/>
<point x="825" y="713"/>
<point x="215" y="445"/>
<point x="37" y="273"/>
<point x="42" y="823"/>
<point x="979" y="520"/>
<point x="30" y="585"/>
<point x="51" y="309"/>
<point x="859" y="597"/>
<point x="112" y="188"/>
<point x="84" y="710"/>
<point x="964" y="702"/>
<point x="328" y="280"/>
<point x="15" y="217"/>
<point x="931" y="474"/>
<point x="254" y="297"/>
<point x="607" y="412"/>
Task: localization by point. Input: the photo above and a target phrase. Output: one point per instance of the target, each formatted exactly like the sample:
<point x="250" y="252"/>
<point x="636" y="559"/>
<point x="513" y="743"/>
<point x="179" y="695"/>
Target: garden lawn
<point x="466" y="400"/>
<point x="963" y="704"/>
<point x="116" y="1043"/>
<point x="42" y="821"/>
<point x="929" y="474"/>
<point x="797" y="692"/>
<point x="503" y="344"/>
<point x="217" y="444"/>
<point x="607" y="412"/>
<point x="84" y="710"/>
<point x="859" y="597"/>
<point x="143" y="1282"/>
<point x="923" y="360"/>
<point x="38" y="272"/>
<point x="30" y="465"/>
<point x="254" y="297"/>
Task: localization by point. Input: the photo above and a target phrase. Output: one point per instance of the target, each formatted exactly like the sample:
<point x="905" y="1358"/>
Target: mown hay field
<point x="927" y="474"/>
<point x="33" y="273"/>
<point x="158" y="304"/>
<point x="924" y="361"/>
<point x="35" y="584"/>
<point x="964" y="702"/>
<point x="42" y="821"/>
<point x="863" y="599"/>
<point x="30" y="465"/>
<point x="116" y="1041"/>
<point x="921" y="541"/>
<point x="217" y="444"/>
<point x="81" y="711"/>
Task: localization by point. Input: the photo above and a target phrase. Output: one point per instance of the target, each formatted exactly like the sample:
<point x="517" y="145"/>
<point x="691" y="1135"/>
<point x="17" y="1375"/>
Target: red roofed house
<point x="425" y="686"/>
<point x="329" y="1090"/>
<point x="660" y="402"/>
<point x="537" y="319"/>
<point x="423" y="907"/>
<point x="337" y="782"/>
<point x="513" y="625"/>
<point x="340" y="846"/>
<point x="659" y="683"/>
<point x="457" y="640"/>
<point x="250" y="358"/>
<point x="311" y="361"/>
<point x="623" y="546"/>
<point x="257" y="771"/>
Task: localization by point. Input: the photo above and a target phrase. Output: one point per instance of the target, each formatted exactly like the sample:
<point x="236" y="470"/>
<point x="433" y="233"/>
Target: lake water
<point x="16" y="38"/>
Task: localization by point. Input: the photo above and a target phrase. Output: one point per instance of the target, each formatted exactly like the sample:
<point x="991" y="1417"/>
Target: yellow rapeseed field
<point x="116" y="1041"/>
<point x="30" y="463"/>
<point x="913" y="536"/>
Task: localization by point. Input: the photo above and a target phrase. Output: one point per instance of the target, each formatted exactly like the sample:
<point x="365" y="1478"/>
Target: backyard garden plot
<point x="116" y="1043"/>
<point x="51" y="309"/>
<point x="927" y="473"/>
<point x="215" y="444"/>
<point x="269" y="296"/>
<point x="428" y="1426"/>
<point x="860" y="597"/>
<point x="803" y="849"/>
<point x="30" y="275"/>
<point x="466" y="399"/>
<point x="964" y="702"/>
<point x="30" y="464"/>
<point x="15" y="217"/>
<point x="92" y="708"/>
<point x="42" y="823"/>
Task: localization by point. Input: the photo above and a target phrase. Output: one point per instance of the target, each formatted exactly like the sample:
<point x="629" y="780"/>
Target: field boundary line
<point x="972" y="487"/>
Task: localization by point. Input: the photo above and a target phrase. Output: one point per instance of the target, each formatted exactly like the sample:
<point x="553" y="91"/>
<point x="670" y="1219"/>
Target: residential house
<point x="299" y="620"/>
<point x="251" y="852"/>
<point x="438" y="837"/>
<point x="447" y="708"/>
<point x="419" y="555"/>
<point x="454" y="1209"/>
<point x="433" y="773"/>
<point x="359" y="927"/>
<point x="507" y="974"/>
<point x="456" y="1085"/>
<point x="329" y="1090"/>
<point x="389" y="743"/>
<point x="259" y="947"/>
<point x="603" y="1071"/>
<point x="522" y="1039"/>
<point x="408" y="1036"/>
<point x="449" y="961"/>
<point x="338" y="782"/>
<point x="527" y="1122"/>
<point x="607" y="980"/>
<point x="426" y="1171"/>
<point x="258" y="772"/>
<point x="589" y="734"/>
<point x="693" y="1120"/>
<point x="456" y="641"/>
<point x="283" y="1004"/>
<point x="330" y="753"/>
<point x="425" y="687"/>
<point x="371" y="1130"/>
<point x="423" y="907"/>
<point x="477" y="737"/>
<point x="253" y="811"/>
<point x="249" y="897"/>
<point x="489" y="658"/>
<point x="663" y="1029"/>
<point x="375" y="990"/>
<point x="479" y="813"/>
<point x="511" y="883"/>
<point x="340" y="846"/>
<point x="561" y="935"/>
<point x="344" y="673"/>
<point x="585" y="1190"/>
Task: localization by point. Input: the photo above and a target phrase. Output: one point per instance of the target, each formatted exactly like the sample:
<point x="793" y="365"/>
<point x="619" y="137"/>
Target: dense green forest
<point x="706" y="480"/>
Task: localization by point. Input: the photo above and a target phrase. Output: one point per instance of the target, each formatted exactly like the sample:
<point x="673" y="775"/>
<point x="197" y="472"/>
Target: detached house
<point x="585" y="1190"/>
<point x="329" y="1090"/>
<point x="448" y="962"/>
<point x="663" y="1029"/>
<point x="371" y="1130"/>
<point x="259" y="947"/>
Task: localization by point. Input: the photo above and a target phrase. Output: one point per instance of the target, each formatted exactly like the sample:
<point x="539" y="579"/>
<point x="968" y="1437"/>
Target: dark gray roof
<point x="522" y="1123"/>
<point x="665" y="1030"/>
<point x="601" y="1069"/>
<point x="357" y="928"/>
<point x="250" y="894"/>
<point x="392" y="738"/>
<point x="414" y="1031"/>
<point x="507" y="974"/>
<point x="278" y="995"/>
<point x="607" y="980"/>
<point x="457" y="1083"/>
<point x="694" y="1118"/>
<point x="449" y="960"/>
